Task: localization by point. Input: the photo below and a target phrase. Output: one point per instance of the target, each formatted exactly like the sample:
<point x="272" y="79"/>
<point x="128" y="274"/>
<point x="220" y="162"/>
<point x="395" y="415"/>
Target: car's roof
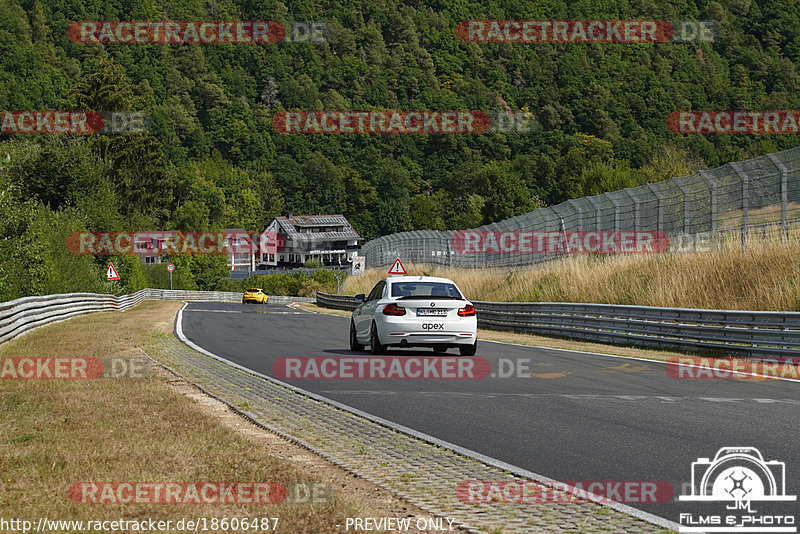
<point x="254" y="289"/>
<point x="394" y="279"/>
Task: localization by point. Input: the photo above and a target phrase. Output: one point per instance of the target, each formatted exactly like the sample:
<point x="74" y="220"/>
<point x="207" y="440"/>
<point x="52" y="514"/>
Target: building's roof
<point x="289" y="226"/>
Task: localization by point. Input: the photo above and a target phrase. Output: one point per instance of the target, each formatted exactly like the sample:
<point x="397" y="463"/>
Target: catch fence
<point x="696" y="212"/>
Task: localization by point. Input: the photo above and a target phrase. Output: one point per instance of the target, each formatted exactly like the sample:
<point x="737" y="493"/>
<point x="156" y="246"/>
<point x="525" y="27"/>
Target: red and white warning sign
<point x="170" y="267"/>
<point x="111" y="272"/>
<point x="397" y="267"/>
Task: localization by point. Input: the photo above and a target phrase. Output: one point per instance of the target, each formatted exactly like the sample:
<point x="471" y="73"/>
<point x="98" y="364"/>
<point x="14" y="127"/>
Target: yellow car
<point x="254" y="294"/>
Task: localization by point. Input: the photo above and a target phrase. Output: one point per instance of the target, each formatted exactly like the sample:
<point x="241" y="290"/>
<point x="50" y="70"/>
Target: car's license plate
<point x="436" y="312"/>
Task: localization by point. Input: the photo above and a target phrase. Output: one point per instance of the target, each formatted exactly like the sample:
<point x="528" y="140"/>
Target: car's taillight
<point x="393" y="309"/>
<point x="466" y="311"/>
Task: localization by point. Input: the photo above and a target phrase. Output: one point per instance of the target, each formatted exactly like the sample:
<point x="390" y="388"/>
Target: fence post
<point x="597" y="215"/>
<point x="686" y="204"/>
<point x="713" y="184"/>
<point x="745" y="202"/>
<point x="660" y="198"/>
<point x="617" y="212"/>
<point x="784" y="198"/>
<point x="635" y="199"/>
<point x="579" y="211"/>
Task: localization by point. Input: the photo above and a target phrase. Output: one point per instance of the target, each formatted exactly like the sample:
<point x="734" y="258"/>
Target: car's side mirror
<point x="361" y="297"/>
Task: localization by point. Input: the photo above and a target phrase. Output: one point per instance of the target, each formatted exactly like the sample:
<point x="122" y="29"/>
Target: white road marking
<point x="270" y="312"/>
<point x="617" y="356"/>
<point x="628" y="398"/>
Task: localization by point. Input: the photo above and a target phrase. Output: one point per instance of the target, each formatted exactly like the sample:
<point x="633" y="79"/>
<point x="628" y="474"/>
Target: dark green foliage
<point x="213" y="160"/>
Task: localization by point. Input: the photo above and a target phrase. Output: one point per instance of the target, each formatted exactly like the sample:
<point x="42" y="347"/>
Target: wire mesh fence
<point x="696" y="212"/>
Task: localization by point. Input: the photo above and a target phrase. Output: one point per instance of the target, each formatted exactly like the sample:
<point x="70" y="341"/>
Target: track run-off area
<point x="565" y="415"/>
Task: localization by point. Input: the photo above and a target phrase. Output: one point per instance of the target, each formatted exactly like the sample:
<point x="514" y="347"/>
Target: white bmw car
<point x="414" y="311"/>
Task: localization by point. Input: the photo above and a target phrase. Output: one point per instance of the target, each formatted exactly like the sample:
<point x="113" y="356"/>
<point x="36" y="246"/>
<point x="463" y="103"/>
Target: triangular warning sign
<point x="397" y="268"/>
<point x="111" y="272"/>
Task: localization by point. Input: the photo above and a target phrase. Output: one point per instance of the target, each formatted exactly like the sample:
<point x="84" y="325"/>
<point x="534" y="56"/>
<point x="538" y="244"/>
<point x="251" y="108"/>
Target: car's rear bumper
<point x="420" y="339"/>
<point x="397" y="331"/>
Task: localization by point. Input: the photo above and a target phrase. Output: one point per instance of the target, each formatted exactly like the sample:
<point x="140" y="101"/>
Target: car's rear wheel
<point x="355" y="346"/>
<point x="469" y="350"/>
<point x="374" y="342"/>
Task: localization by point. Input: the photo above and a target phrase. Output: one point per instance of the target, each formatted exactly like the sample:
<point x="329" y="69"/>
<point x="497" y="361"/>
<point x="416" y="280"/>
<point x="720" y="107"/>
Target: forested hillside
<point x="213" y="160"/>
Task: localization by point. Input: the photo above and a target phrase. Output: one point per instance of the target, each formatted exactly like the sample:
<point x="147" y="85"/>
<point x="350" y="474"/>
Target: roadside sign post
<point x="359" y="264"/>
<point x="111" y="275"/>
<point x="170" y="268"/>
<point x="338" y="275"/>
<point x="397" y="268"/>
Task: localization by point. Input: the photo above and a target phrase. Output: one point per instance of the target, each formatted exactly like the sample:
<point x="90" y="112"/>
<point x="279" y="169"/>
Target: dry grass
<point x="767" y="214"/>
<point x="765" y="277"/>
<point x="54" y="433"/>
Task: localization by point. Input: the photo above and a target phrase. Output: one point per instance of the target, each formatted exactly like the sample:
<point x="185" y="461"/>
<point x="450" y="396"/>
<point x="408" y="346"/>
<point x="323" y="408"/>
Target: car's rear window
<point x="253" y="290"/>
<point x="425" y="289"/>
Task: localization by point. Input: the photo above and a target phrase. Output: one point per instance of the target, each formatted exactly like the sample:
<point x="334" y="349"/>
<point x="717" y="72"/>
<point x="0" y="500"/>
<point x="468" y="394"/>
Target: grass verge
<point x="55" y="433"/>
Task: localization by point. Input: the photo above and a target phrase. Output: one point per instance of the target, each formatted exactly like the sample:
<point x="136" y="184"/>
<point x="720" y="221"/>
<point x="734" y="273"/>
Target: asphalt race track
<point x="578" y="417"/>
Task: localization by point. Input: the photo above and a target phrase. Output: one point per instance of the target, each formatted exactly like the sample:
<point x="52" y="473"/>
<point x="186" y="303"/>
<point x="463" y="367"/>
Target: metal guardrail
<point x="336" y="302"/>
<point x="754" y="333"/>
<point x="24" y="314"/>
